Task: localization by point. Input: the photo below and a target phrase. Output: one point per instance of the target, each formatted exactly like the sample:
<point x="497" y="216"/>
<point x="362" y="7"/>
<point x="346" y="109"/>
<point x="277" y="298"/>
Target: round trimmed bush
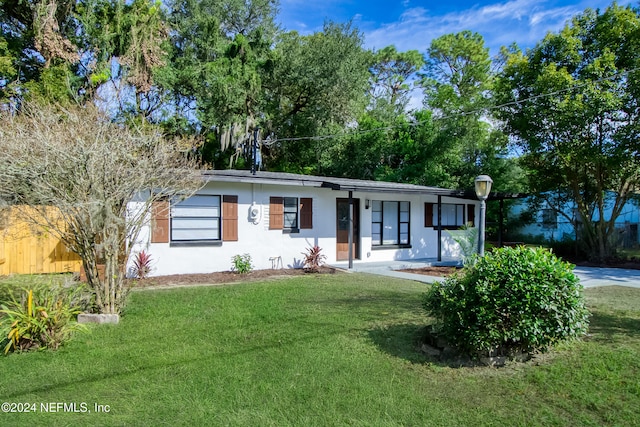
<point x="511" y="300"/>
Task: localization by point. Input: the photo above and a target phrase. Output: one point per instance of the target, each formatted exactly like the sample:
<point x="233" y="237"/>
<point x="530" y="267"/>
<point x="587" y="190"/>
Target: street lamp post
<point x="483" y="188"/>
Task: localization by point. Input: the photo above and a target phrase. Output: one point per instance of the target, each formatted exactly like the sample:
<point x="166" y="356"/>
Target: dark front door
<point x="342" y="229"/>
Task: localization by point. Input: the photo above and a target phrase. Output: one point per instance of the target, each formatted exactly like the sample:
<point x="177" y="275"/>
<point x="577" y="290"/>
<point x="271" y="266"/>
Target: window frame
<point x="293" y="209"/>
<point x="281" y="207"/>
<point x="379" y="243"/>
<point x="459" y="208"/>
<point x="217" y="241"/>
<point x="549" y="219"/>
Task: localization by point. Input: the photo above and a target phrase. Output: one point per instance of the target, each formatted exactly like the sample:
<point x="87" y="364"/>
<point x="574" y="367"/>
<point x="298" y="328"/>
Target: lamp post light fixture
<point x="483" y="188"/>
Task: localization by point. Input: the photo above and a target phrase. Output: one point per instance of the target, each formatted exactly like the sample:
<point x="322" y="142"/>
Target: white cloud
<point x="560" y="15"/>
<point x="522" y="21"/>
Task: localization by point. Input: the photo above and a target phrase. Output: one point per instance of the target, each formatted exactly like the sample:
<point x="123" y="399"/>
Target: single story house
<point x="275" y="217"/>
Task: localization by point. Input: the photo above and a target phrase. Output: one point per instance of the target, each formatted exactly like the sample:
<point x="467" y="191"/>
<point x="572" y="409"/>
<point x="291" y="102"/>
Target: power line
<point x="269" y="142"/>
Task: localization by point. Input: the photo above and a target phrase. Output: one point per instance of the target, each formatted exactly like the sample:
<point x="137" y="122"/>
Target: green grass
<point x="13" y="284"/>
<point x="319" y="350"/>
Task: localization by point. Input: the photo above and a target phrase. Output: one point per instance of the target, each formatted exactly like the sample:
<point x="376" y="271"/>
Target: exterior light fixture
<point x="483" y="188"/>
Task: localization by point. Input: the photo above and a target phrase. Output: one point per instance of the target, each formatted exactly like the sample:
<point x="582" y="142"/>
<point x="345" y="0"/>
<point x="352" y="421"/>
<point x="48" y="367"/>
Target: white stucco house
<point x="275" y="217"/>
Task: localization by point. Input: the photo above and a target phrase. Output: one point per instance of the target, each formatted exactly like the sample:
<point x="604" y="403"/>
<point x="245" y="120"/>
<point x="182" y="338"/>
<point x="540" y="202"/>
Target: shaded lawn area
<point x="319" y="350"/>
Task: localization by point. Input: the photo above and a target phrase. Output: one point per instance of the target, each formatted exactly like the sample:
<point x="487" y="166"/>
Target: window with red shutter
<point x="306" y="212"/>
<point x="276" y="213"/>
<point x="160" y="221"/>
<point x="428" y="214"/>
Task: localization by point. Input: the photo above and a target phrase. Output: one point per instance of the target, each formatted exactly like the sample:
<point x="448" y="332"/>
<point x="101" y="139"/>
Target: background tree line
<point x="559" y="119"/>
<point x="219" y="69"/>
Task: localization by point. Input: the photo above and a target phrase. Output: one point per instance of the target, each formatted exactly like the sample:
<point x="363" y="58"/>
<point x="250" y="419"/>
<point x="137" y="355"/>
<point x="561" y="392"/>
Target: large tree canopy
<point x="392" y="79"/>
<point x="458" y="81"/>
<point x="571" y="105"/>
<point x="316" y="85"/>
<point x="222" y="68"/>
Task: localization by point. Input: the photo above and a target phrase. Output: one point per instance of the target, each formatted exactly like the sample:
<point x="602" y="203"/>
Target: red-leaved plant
<point x="142" y="265"/>
<point x="313" y="259"/>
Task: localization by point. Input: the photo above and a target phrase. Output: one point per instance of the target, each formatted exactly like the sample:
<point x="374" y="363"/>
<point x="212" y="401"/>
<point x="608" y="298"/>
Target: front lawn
<point x="317" y="350"/>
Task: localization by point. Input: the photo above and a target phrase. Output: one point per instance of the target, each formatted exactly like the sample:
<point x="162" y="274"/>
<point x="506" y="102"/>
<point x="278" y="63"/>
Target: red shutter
<point x="306" y="212"/>
<point x="229" y="218"/>
<point x="276" y="213"/>
<point x="160" y="222"/>
<point x="471" y="215"/>
<point x="428" y="214"/>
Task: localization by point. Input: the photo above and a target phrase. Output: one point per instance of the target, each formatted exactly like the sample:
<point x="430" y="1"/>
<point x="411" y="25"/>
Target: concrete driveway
<point x="589" y="276"/>
<point x="594" y="276"/>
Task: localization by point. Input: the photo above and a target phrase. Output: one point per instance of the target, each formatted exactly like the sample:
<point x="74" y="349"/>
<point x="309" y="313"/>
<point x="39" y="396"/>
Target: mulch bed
<point x="258" y="275"/>
<point x="224" y="277"/>
<point x="438" y="271"/>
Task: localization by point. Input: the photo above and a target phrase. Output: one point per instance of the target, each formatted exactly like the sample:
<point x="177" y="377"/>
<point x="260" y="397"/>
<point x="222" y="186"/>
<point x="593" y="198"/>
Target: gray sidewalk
<point x="589" y="276"/>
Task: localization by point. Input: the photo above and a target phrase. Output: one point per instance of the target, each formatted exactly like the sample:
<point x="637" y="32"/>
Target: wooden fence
<point x="29" y="249"/>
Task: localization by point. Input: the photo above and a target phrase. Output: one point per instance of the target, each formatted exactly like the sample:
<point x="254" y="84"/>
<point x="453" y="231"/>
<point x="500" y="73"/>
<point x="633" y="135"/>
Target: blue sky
<point x="412" y="24"/>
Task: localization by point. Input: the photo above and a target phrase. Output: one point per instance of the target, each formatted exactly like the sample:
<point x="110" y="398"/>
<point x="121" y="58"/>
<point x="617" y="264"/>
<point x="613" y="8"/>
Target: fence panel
<point x="29" y="249"/>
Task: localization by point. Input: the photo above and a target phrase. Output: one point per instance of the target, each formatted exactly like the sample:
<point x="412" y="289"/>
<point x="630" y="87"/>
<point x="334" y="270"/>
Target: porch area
<point x="391" y="268"/>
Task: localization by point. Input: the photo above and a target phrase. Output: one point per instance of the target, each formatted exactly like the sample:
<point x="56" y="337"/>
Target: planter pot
<point x="98" y="318"/>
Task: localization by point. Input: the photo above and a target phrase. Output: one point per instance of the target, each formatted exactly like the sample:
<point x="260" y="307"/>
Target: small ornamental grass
<point x="510" y="301"/>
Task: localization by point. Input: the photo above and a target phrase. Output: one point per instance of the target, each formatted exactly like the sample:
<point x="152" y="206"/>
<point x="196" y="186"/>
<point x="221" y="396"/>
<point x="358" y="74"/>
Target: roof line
<point x="333" y="183"/>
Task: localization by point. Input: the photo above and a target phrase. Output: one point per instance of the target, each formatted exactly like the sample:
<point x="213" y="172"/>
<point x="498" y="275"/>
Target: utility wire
<point x="270" y="142"/>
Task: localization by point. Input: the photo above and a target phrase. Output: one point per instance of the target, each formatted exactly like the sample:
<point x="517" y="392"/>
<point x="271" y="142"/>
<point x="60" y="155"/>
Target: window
<point x="390" y="223"/>
<point x="452" y="215"/>
<point x="290" y="214"/>
<point x="549" y="219"/>
<point x="196" y="219"/>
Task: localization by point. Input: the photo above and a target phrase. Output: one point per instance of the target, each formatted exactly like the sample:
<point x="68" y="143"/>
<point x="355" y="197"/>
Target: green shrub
<point x="241" y="264"/>
<point x="42" y="318"/>
<point x="511" y="300"/>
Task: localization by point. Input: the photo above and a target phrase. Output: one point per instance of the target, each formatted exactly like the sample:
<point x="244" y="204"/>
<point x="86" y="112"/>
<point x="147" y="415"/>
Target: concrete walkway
<point x="593" y="276"/>
<point x="589" y="276"/>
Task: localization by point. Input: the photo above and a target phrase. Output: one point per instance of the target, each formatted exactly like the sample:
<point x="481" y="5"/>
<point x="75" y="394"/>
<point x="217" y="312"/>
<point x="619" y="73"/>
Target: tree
<point x="315" y="85"/>
<point x="62" y="51"/>
<point x="124" y="45"/>
<point x="391" y="74"/>
<point x="572" y="106"/>
<point x="88" y="170"/>
<point x="458" y="82"/>
<point x="219" y="49"/>
<point x="385" y="149"/>
<point x="37" y="48"/>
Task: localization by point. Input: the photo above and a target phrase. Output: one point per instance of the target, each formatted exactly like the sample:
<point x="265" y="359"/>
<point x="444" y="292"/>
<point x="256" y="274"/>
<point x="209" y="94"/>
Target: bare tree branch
<point x="89" y="170"/>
